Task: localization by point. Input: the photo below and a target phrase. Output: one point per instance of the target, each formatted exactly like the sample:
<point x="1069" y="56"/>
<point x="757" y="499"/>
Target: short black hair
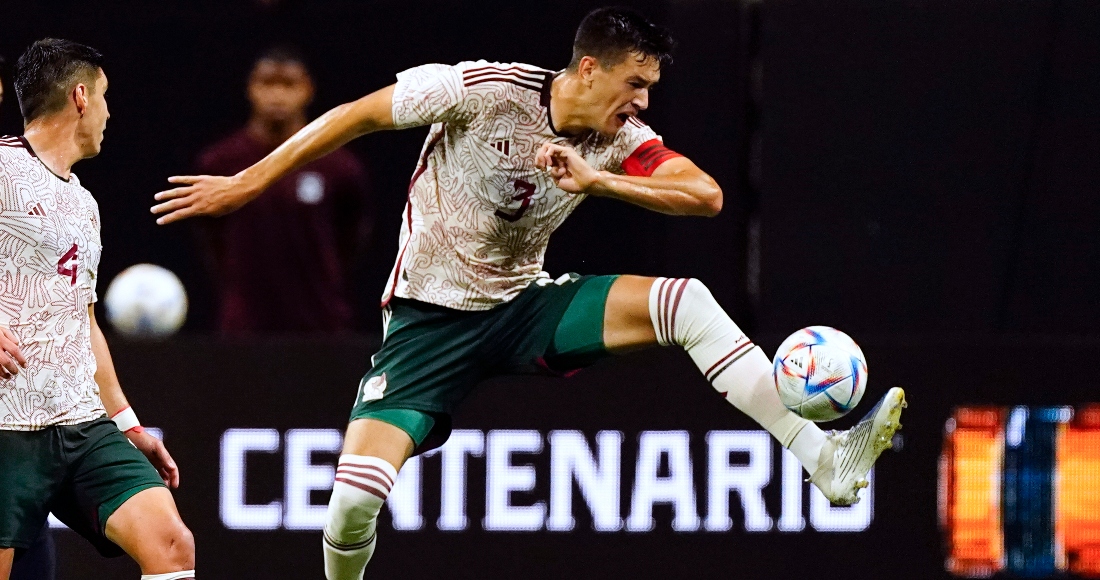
<point x="611" y="34"/>
<point x="48" y="70"/>
<point x="283" y="54"/>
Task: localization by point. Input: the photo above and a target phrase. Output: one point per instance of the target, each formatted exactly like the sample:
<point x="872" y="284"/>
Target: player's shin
<point x="684" y="313"/>
<point x="361" y="487"/>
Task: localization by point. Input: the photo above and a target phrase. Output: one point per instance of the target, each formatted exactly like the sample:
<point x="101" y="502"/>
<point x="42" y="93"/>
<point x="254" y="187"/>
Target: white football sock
<point x="685" y="313"/>
<point x="184" y="575"/>
<point x="361" y="487"/>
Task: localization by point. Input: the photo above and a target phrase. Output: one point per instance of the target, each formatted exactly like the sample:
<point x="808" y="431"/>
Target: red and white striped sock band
<point x="362" y="485"/>
<point x="370" y="474"/>
<point x="664" y="303"/>
<point x="127" y="420"/>
<point x="684" y="312"/>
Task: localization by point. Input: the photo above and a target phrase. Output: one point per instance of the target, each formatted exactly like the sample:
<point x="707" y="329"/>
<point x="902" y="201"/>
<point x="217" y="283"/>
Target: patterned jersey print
<point x="49" y="254"/>
<point x="480" y="214"/>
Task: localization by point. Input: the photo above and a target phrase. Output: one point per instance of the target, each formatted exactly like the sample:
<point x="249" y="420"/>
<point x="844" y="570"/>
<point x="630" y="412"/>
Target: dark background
<point x="920" y="174"/>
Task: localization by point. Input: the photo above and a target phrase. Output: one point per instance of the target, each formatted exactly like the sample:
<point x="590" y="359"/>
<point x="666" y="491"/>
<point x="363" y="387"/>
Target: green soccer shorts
<point x="82" y="473"/>
<point x="432" y="357"/>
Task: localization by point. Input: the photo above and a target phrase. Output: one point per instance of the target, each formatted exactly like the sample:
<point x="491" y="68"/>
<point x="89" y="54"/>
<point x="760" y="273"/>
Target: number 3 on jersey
<point x="524" y="192"/>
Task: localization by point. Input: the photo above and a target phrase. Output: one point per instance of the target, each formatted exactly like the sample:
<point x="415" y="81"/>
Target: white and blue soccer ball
<point x="146" y="301"/>
<point x="820" y="373"/>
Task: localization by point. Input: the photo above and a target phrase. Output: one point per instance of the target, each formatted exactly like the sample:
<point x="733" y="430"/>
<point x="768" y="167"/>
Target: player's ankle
<point x="807" y="445"/>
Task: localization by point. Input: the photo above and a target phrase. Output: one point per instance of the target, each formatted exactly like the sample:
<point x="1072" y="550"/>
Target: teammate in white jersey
<point x="59" y="451"/>
<point x="511" y="151"/>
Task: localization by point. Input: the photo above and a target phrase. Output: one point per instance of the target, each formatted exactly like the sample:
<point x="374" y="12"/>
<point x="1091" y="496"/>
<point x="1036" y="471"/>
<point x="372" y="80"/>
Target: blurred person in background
<point x="297" y="280"/>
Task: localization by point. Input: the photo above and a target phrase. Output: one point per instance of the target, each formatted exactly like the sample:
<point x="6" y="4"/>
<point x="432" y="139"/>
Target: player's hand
<point x="208" y="195"/>
<point x="11" y="358"/>
<point x="567" y="168"/>
<point x="158" y="455"/>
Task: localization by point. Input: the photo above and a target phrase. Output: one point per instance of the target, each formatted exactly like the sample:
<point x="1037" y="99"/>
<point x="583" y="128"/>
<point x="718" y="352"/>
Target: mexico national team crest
<point x="374" y="388"/>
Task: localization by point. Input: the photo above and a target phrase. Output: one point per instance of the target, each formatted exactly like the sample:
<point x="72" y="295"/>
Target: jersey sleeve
<point x="431" y="93"/>
<point x="639" y="150"/>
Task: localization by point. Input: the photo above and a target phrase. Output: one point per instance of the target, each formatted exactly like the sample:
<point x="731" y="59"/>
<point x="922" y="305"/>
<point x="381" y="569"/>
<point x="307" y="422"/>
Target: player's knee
<point x="684" y="311"/>
<point x="361" y="487"/>
<point x="696" y="293"/>
<point x="351" y="514"/>
<point x="177" y="548"/>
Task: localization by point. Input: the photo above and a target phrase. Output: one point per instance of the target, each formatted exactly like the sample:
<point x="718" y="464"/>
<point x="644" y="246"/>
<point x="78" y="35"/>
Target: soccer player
<point x="106" y="479"/>
<point x="511" y="151"/>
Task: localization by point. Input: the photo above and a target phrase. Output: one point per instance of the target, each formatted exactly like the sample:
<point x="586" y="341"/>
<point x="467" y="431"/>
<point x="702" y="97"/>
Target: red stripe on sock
<point x="366" y="467"/>
<point x="367" y="476"/>
<point x="658" y="323"/>
<point x="675" y="307"/>
<point x="662" y="307"/>
<point x="363" y="487"/>
<point x="747" y="343"/>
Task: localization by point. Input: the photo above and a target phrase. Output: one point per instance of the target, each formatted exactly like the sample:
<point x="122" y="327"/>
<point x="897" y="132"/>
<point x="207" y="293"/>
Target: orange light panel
<point x="970" y="489"/>
<point x="1078" y="497"/>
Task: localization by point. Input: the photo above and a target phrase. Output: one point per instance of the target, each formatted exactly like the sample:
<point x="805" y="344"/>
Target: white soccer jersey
<point x="49" y="254"/>
<point x="480" y="214"/>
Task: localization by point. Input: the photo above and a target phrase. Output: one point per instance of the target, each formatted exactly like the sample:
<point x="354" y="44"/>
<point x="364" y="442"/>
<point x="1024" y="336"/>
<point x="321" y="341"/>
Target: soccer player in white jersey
<point x="59" y="452"/>
<point x="511" y="151"/>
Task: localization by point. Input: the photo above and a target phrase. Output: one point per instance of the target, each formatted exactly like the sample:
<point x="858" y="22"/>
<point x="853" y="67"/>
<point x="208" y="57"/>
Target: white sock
<point x="184" y="575"/>
<point x="685" y="313"/>
<point x="361" y="487"/>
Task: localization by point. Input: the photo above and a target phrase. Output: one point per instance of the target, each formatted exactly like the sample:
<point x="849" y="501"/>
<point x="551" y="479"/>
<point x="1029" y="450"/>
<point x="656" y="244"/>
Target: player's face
<point x="94" y="120"/>
<point x="279" y="91"/>
<point x="622" y="91"/>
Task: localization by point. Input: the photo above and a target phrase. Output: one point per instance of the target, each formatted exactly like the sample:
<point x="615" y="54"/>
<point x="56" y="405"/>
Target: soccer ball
<point x="820" y="373"/>
<point x="146" y="301"/>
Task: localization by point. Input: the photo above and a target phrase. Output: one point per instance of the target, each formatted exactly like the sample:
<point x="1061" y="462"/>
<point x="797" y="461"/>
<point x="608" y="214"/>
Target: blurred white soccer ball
<point x="820" y="373"/>
<point x="145" y="300"/>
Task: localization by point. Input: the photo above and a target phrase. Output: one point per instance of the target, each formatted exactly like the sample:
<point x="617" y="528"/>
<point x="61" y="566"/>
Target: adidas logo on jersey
<point x="504" y="146"/>
<point x="36" y="209"/>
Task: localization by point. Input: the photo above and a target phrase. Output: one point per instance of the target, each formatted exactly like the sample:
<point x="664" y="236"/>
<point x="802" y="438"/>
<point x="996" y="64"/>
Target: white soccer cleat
<point x="848" y="456"/>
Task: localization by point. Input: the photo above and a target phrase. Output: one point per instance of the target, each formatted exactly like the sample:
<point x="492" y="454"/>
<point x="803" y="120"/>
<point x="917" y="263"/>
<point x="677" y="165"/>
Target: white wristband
<point x="126" y="420"/>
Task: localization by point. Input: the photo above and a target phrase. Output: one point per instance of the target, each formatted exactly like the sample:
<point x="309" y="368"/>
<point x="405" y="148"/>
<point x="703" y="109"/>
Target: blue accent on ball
<point x="835" y="403"/>
<point x="820" y="339"/>
<point x="855" y="377"/>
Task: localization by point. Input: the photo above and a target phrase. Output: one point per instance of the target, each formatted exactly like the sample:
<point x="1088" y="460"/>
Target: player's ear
<point x="80" y="98"/>
<point x="586" y="68"/>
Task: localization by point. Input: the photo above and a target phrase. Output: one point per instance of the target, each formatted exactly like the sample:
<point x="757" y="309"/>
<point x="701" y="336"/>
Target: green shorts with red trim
<point x="432" y="357"/>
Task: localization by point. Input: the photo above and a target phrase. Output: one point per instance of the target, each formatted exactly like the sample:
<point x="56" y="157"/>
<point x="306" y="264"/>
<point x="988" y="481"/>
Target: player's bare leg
<point x="7" y="556"/>
<point x="150" y="530"/>
<point x="646" y="311"/>
<point x="373" y="453"/>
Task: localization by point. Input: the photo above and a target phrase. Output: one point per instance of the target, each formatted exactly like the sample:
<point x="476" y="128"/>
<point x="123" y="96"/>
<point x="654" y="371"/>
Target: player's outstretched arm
<point x="676" y="187"/>
<point x="110" y="391"/>
<point x="215" y="196"/>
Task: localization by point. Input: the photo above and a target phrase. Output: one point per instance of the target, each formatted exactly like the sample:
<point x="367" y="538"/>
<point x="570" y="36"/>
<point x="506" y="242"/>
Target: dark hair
<point x="283" y="54"/>
<point x="611" y="34"/>
<point x="48" y="70"/>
